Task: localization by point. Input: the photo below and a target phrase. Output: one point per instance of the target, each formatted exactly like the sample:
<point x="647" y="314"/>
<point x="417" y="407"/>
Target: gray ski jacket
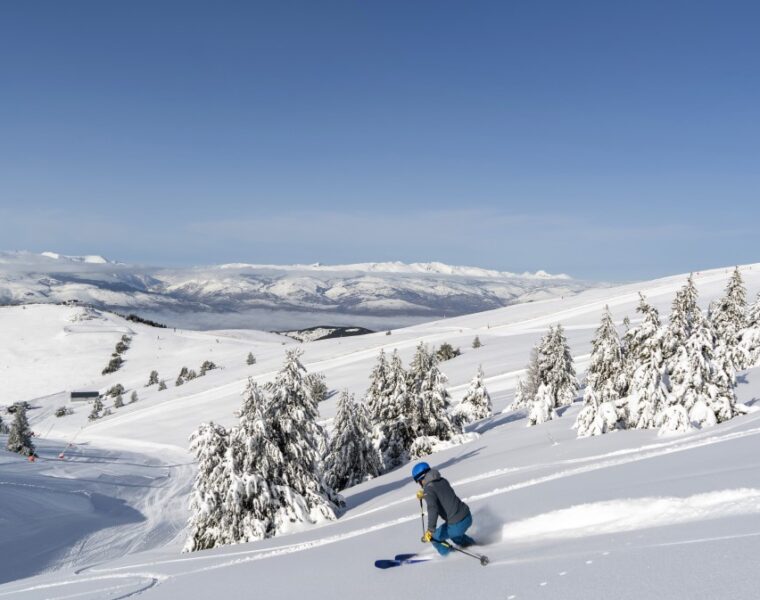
<point x="441" y="500"/>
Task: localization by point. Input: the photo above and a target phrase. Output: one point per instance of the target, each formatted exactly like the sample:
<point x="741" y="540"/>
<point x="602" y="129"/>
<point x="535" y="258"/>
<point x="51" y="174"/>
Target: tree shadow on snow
<point x="360" y="498"/>
<point x="486" y="425"/>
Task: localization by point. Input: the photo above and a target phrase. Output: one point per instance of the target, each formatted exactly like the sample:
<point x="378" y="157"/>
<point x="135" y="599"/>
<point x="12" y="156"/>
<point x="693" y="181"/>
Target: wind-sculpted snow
<point x="376" y="295"/>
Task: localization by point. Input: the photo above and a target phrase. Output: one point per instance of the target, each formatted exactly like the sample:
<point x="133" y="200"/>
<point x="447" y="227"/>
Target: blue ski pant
<point x="455" y="532"/>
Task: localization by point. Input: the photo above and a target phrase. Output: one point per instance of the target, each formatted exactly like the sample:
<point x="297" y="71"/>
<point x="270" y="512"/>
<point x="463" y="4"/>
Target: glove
<point x="427" y="537"/>
<point x="420" y="494"/>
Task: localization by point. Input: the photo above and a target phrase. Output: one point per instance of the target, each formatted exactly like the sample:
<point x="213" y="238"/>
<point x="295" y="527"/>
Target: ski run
<point x="606" y="443"/>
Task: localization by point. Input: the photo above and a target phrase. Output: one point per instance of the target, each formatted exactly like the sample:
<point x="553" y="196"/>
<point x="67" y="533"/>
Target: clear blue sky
<point x="615" y="140"/>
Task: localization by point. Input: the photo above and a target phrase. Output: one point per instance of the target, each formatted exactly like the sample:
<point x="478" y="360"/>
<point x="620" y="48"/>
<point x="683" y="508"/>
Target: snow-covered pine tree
<point x="133" y="397"/>
<point x="476" y="343"/>
<point x="683" y="317"/>
<point x="253" y="498"/>
<point x="527" y="387"/>
<point x="118" y="402"/>
<point x="603" y="411"/>
<point x="646" y="370"/>
<point x="378" y="393"/>
<point x="352" y="457"/>
<point x="97" y="408"/>
<point x="152" y="378"/>
<point x="20" y="435"/>
<point x="476" y="403"/>
<point x="729" y="319"/>
<point x="750" y="336"/>
<point x="251" y="359"/>
<point x="390" y="414"/>
<point x="209" y="443"/>
<point x="429" y="397"/>
<point x="315" y="383"/>
<point x="293" y="428"/>
<point x="558" y="385"/>
<point x="691" y="380"/>
<point x="161" y="385"/>
<point x="207" y="366"/>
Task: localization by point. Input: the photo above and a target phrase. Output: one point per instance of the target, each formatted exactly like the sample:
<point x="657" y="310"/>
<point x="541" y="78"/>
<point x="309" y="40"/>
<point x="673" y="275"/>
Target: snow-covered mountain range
<point x="373" y="295"/>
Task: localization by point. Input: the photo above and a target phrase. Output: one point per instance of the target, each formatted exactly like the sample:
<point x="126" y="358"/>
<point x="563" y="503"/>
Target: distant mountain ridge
<point x="374" y="295"/>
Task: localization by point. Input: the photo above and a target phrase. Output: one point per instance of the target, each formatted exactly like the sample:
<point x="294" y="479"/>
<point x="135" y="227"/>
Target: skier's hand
<point x="428" y="536"/>
<point x="420" y="494"/>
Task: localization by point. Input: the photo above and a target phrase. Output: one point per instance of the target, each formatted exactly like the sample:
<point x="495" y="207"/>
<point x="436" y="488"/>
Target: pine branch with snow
<point x="476" y="404"/>
<point x="352" y="458"/>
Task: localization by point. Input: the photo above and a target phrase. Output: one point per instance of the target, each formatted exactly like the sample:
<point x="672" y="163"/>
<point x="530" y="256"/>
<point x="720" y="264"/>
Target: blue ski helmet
<point x="419" y="470"/>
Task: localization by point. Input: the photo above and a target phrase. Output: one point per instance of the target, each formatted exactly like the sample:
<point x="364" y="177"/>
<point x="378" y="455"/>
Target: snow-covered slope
<point x="374" y="295"/>
<point x="644" y="516"/>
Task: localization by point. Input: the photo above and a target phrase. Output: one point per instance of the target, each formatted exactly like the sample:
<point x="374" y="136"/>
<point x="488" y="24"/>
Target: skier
<point x="442" y="501"/>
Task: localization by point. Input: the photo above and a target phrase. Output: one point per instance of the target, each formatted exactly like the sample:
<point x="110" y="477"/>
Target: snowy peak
<point x="93" y="259"/>
<point x="435" y="268"/>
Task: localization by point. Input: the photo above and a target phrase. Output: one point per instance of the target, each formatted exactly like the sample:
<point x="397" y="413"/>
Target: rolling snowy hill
<point x="625" y="515"/>
<point x="270" y="297"/>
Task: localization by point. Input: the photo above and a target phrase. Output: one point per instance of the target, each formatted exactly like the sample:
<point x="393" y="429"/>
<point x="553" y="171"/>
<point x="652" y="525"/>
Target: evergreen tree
<point x="447" y="352"/>
<point x="118" y="402"/>
<point x="750" y="337"/>
<point x="602" y="410"/>
<point x="646" y="370"/>
<point x="97" y="408"/>
<point x="206" y="528"/>
<point x="556" y="373"/>
<point x="429" y="398"/>
<point x="703" y="379"/>
<point x="352" y="457"/>
<point x="251" y="359"/>
<point x="179" y="381"/>
<point x="293" y="429"/>
<point x="315" y="383"/>
<point x="391" y="414"/>
<point x="683" y="317"/>
<point x="206" y="367"/>
<point x="161" y="385"/>
<point x="476" y="403"/>
<point x="527" y="387"/>
<point x="378" y="392"/>
<point x="191" y="374"/>
<point x="729" y="319"/>
<point x="133" y="397"/>
<point x="254" y="501"/>
<point x="20" y="435"/>
<point x="152" y="378"/>
<point x="476" y="343"/>
<point x="557" y="385"/>
<point x="116" y="390"/>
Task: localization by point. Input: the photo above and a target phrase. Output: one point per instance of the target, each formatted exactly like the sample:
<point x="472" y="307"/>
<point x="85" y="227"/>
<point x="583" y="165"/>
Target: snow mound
<point x="617" y="516"/>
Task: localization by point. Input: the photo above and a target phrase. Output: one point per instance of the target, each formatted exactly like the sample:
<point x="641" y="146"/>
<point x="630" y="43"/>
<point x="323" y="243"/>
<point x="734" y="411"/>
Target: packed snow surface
<point x="629" y="514"/>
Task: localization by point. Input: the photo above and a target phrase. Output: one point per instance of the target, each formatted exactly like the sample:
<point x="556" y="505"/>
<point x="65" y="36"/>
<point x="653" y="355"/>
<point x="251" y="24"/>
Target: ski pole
<point x="481" y="557"/>
<point x="422" y="516"/>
